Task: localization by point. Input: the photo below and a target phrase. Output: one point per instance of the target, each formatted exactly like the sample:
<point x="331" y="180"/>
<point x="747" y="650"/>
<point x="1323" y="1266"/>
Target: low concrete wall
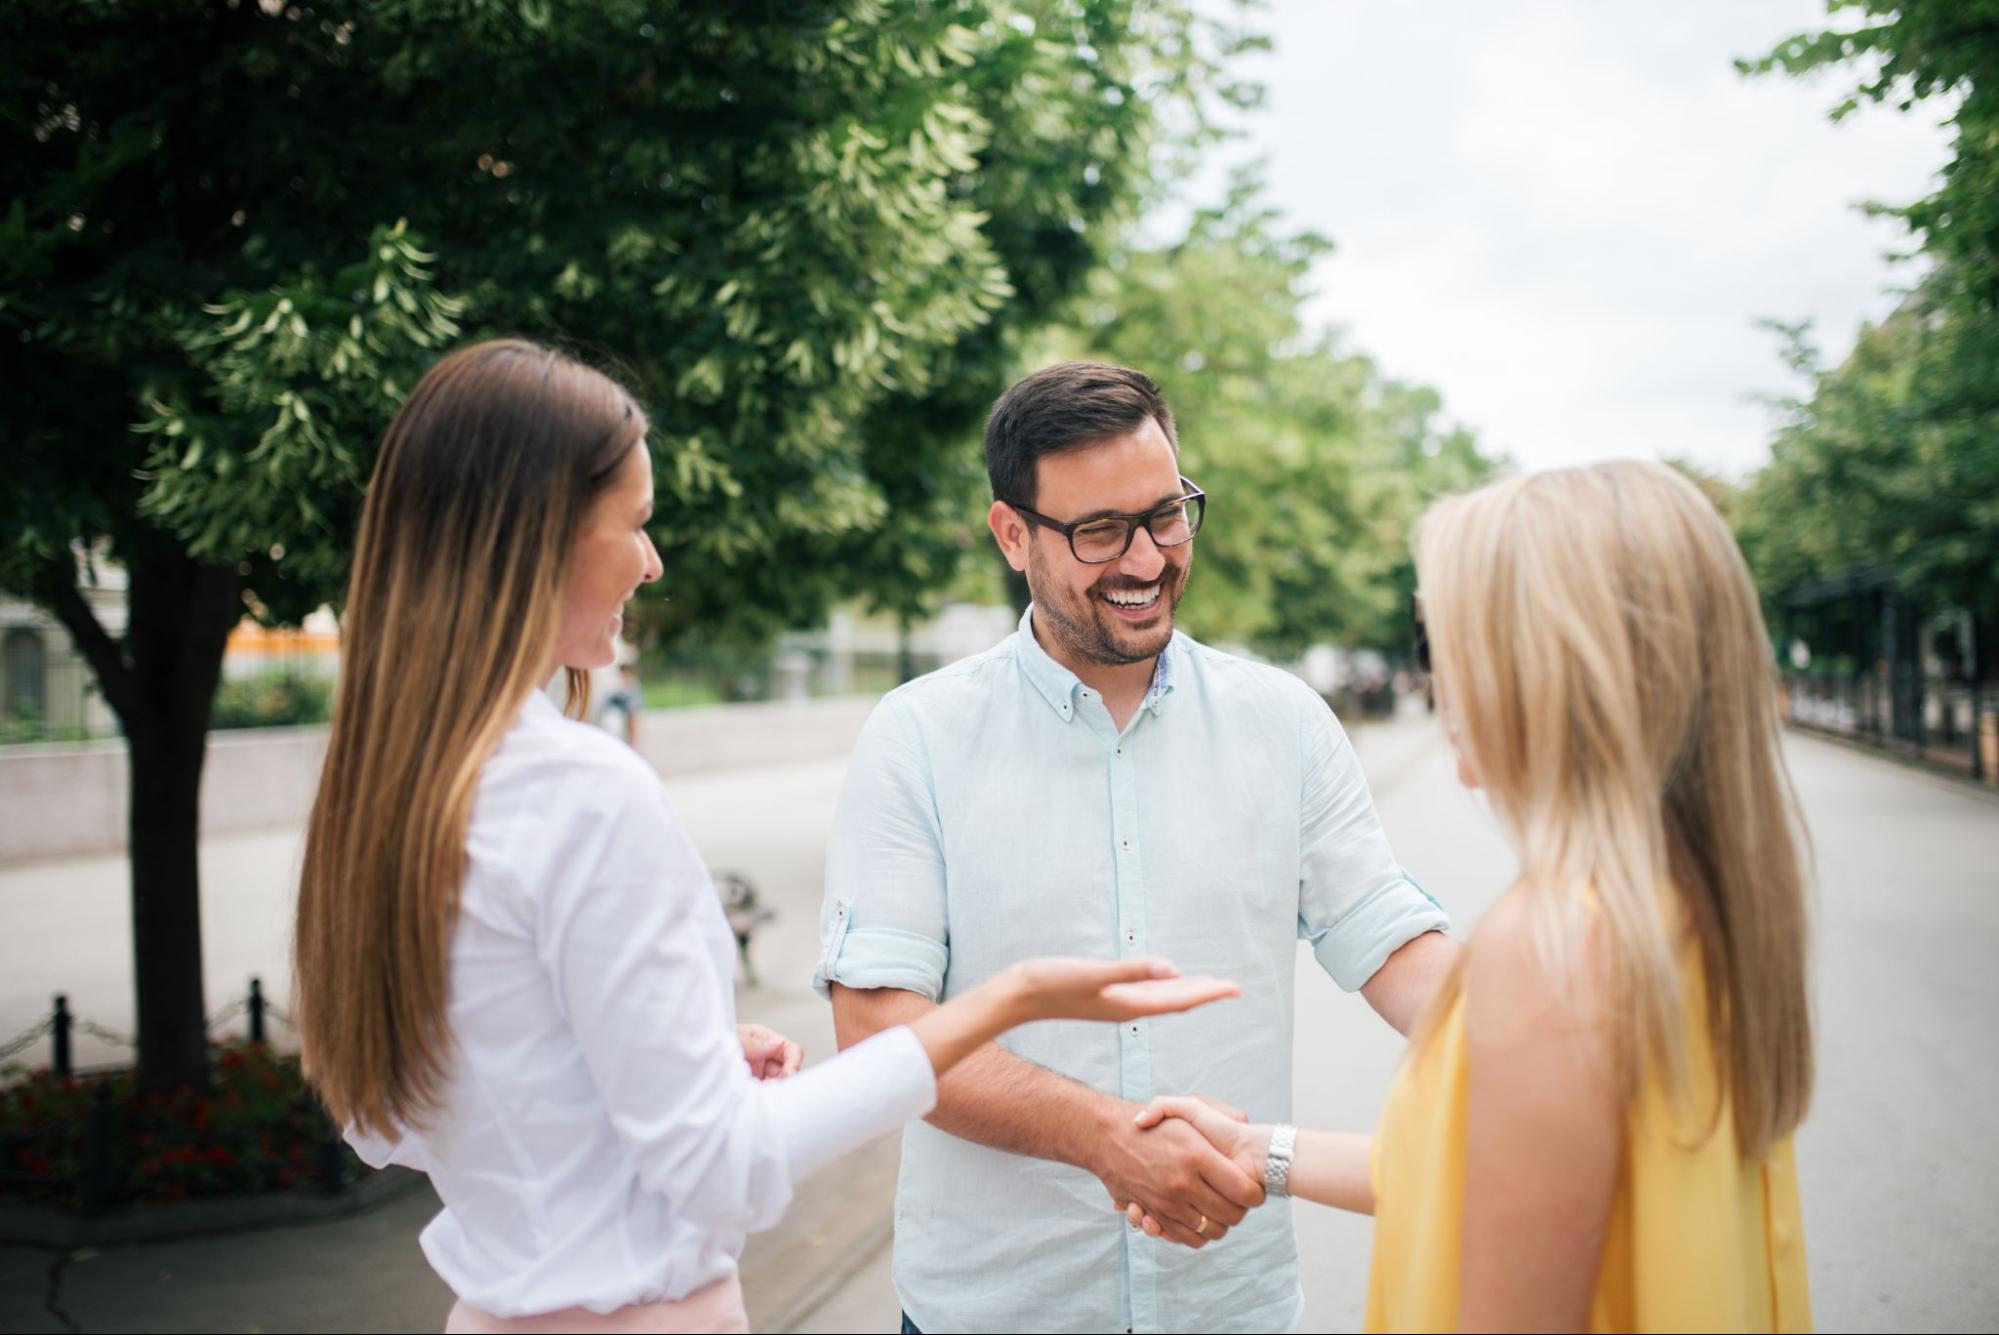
<point x="66" y="800"/>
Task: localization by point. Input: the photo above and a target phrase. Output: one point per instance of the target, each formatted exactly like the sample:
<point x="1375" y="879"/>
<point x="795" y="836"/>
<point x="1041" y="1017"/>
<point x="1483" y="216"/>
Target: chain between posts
<point x="61" y="1023"/>
<point x="25" y="1037"/>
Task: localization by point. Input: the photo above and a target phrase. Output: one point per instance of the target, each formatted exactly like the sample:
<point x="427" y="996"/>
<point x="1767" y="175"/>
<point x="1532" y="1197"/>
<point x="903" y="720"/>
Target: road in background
<point x="1900" y="1178"/>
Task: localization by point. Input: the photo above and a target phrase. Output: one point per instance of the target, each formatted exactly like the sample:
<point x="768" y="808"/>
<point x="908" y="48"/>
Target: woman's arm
<point x="1544" y="1132"/>
<point x="1327" y="1167"/>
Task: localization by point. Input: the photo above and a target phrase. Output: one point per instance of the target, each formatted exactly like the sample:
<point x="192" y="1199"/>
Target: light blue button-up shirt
<point x="992" y="811"/>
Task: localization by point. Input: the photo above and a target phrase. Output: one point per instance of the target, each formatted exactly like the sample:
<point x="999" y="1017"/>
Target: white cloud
<point x="1567" y="217"/>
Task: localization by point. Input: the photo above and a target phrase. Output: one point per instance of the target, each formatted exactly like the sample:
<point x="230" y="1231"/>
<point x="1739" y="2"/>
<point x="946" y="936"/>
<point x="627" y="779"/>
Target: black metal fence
<point x="1864" y="660"/>
<point x="89" y="1176"/>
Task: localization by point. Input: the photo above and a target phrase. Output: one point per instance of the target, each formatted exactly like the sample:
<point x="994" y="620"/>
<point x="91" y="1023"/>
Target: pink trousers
<point x="719" y="1307"/>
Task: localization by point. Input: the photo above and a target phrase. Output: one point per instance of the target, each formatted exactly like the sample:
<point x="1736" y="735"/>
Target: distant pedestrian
<point x="620" y="714"/>
<point x="513" y="972"/>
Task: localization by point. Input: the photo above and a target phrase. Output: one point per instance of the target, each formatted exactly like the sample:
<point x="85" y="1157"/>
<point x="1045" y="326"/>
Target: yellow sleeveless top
<point x="1699" y="1239"/>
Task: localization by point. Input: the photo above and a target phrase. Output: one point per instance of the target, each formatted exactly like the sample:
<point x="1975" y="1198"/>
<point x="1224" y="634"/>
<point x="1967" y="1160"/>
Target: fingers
<point x="1137" y="970"/>
<point x="1170" y="1227"/>
<point x="1205" y="1195"/>
<point x="1163" y="996"/>
<point x="1226" y="1178"/>
<point x="770" y="1055"/>
<point x="1163" y="1107"/>
<point x="1227" y="1110"/>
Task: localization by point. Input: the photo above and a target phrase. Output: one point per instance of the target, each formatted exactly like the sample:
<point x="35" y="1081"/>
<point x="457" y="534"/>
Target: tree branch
<point x="114" y="676"/>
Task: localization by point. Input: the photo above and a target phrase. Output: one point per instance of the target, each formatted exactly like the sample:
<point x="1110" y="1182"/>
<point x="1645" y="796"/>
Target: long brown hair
<point x="1601" y="651"/>
<point x="482" y="484"/>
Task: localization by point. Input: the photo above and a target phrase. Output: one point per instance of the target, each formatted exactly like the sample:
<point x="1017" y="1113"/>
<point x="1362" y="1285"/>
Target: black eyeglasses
<point x="1419" y="633"/>
<point x="1104" y="538"/>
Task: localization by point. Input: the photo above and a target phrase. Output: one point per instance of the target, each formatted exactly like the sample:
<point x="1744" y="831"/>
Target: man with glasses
<point x="1102" y="785"/>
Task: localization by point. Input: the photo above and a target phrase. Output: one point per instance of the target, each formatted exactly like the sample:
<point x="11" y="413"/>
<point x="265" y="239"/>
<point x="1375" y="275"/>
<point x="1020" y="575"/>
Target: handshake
<point x="1185" y="1169"/>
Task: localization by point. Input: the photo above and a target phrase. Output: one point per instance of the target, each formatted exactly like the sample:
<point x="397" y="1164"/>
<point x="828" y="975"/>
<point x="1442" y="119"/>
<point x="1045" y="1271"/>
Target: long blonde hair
<point x="482" y="483"/>
<point x="1600" y="649"/>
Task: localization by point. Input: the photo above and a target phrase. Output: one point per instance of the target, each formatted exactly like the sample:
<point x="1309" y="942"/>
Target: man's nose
<point x="1142" y="560"/>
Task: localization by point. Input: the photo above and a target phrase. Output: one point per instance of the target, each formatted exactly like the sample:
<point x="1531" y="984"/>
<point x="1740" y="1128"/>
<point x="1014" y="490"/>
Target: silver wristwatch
<point x="1277" y="1161"/>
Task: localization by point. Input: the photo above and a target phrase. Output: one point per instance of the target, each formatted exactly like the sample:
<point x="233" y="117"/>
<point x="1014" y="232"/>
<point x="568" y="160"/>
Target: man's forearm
<point x="1409" y="980"/>
<point x="993" y="1097"/>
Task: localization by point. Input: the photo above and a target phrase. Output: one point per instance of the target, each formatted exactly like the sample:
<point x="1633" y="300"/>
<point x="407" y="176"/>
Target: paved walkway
<point x="1901" y="1182"/>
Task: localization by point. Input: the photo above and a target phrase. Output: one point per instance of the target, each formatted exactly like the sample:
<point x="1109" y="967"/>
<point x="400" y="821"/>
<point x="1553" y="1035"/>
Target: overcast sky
<point x="1567" y="216"/>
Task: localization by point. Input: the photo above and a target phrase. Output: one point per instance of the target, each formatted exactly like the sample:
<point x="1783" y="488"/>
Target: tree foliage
<point x="1316" y="464"/>
<point x="235" y="232"/>
<point x="1892" y="458"/>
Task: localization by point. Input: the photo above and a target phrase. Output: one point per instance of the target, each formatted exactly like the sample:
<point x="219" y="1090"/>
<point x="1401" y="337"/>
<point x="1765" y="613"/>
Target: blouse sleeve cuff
<point x="871" y="1089"/>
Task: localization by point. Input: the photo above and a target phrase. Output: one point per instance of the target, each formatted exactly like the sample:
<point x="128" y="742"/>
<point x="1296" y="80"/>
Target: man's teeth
<point x="1144" y="597"/>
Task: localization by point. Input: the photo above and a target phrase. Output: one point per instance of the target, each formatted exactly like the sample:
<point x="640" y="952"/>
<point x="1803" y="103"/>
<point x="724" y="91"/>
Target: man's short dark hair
<point x="1065" y="407"/>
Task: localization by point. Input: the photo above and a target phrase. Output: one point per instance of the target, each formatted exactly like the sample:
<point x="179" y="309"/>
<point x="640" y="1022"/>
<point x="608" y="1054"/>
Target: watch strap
<point x="1277" y="1161"/>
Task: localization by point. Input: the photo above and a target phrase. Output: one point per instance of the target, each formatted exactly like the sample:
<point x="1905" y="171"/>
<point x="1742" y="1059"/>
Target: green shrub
<point x="272" y="699"/>
<point x="258" y="1129"/>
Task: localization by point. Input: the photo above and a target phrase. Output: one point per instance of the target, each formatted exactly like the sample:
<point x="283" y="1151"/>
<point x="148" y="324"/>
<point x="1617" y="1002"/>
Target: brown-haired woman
<point x="512" y="973"/>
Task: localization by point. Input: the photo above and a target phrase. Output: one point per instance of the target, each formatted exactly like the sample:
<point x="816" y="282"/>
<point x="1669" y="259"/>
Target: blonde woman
<point x="512" y="973"/>
<point x="1593" y="1128"/>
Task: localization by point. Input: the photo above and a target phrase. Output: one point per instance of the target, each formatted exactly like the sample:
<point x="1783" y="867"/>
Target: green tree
<point x="1892" y="458"/>
<point x="1092" y="110"/>
<point x="768" y="216"/>
<point x="1316" y="464"/>
<point x="1911" y="51"/>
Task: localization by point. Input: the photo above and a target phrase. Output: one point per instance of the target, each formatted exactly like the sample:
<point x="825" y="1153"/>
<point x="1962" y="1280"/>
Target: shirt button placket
<point x="1136" y="1065"/>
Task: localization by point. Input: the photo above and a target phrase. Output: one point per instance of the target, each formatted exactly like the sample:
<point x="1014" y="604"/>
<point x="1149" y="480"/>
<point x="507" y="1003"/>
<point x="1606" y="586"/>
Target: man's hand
<point x="770" y="1054"/>
<point x="1223" y="1127"/>
<point x="1174" y="1175"/>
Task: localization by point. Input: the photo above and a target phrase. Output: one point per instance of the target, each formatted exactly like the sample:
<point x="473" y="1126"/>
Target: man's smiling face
<point x="1122" y="611"/>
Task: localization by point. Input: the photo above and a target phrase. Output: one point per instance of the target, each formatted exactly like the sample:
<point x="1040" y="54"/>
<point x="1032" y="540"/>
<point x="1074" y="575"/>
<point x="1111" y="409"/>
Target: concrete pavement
<point x="1901" y="1183"/>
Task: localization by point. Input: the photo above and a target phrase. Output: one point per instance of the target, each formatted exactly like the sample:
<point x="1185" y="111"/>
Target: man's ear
<point x="1010" y="532"/>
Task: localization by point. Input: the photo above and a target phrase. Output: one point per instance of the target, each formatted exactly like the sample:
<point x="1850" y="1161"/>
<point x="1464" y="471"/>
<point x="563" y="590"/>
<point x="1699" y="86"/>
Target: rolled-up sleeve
<point x="1356" y="904"/>
<point x="883" y="921"/>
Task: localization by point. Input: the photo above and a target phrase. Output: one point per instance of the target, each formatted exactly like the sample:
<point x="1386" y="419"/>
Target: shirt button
<point x="1134" y="1029"/>
<point x="1131" y="938"/>
<point x="1124" y="844"/>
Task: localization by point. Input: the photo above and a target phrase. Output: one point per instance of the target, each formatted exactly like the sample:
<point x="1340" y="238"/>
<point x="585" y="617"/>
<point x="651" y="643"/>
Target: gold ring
<point x="1202" y="1227"/>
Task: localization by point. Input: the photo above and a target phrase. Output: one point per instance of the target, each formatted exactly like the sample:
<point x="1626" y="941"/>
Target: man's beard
<point x="1084" y="627"/>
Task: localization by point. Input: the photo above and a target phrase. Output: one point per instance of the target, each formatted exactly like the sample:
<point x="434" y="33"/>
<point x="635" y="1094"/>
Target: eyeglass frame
<point x="1133" y="522"/>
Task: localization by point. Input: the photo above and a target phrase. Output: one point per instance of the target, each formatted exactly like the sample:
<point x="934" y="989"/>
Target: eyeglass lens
<point x="1108" y="539"/>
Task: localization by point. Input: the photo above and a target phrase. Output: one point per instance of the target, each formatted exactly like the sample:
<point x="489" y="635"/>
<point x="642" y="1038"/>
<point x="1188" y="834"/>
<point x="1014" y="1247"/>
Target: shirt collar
<point x="1058" y="685"/>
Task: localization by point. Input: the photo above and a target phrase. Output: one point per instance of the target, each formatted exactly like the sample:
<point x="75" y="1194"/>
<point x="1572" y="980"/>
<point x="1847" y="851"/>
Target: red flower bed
<point x="258" y="1128"/>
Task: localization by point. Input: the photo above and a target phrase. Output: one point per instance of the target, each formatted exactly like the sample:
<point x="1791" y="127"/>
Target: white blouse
<point x="600" y="1139"/>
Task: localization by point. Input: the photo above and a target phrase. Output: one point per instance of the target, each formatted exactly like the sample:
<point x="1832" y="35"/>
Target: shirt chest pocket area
<point x="1222" y="884"/>
<point x="1026" y="897"/>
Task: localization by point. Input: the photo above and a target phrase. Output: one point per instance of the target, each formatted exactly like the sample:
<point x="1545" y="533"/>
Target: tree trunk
<point x="905" y="653"/>
<point x="161" y="682"/>
<point x="181" y="615"/>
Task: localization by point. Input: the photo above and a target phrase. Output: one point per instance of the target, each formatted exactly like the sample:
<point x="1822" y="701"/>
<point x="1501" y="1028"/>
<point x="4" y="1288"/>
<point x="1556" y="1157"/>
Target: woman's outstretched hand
<point x="1056" y="988"/>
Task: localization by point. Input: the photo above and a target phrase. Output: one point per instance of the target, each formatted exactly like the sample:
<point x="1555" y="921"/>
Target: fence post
<point x="1988" y="745"/>
<point x="97" y="1151"/>
<point x="256" y="1011"/>
<point x="332" y="1156"/>
<point x="59" y="1026"/>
